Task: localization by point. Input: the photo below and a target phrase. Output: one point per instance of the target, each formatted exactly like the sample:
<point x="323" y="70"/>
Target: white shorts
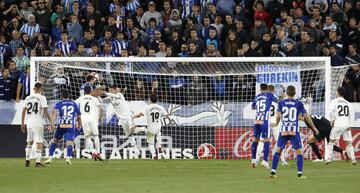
<point x="343" y="131"/>
<point x="126" y="123"/>
<point x="150" y="137"/>
<point x="35" y="134"/>
<point x="90" y="128"/>
<point x="276" y="132"/>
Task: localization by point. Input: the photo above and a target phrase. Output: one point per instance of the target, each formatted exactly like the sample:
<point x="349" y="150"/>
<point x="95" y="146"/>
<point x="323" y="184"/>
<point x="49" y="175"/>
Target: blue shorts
<point x="262" y="130"/>
<point x="68" y="134"/>
<point x="295" y="141"/>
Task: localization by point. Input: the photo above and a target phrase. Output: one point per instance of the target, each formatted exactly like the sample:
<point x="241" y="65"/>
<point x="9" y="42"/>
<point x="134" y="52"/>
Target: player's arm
<point x="23" y="128"/>
<point x="351" y="115"/>
<point x="253" y="104"/>
<point x="46" y="112"/>
<point x="52" y="118"/>
<point x="78" y="117"/>
<point x="100" y="112"/>
<point x="331" y="113"/>
<point x="97" y="91"/>
<point x="138" y="115"/>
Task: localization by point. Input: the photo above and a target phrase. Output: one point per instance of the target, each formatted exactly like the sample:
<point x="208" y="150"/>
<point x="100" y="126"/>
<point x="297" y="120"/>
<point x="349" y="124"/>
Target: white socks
<point x="28" y="152"/>
<point x="97" y="143"/>
<point x="89" y="144"/>
<point x="38" y="156"/>
<point x="329" y="150"/>
<point x="152" y="150"/>
<point x="350" y="150"/>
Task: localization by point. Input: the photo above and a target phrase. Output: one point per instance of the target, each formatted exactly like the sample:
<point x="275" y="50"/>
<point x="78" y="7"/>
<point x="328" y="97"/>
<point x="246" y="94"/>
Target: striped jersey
<point x="262" y="104"/>
<point x="66" y="47"/>
<point x="290" y="109"/>
<point x="119" y="45"/>
<point x="30" y="29"/>
<point x="131" y="6"/>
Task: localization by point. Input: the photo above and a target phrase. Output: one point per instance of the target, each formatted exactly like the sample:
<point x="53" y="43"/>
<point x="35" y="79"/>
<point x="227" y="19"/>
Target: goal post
<point x="208" y="98"/>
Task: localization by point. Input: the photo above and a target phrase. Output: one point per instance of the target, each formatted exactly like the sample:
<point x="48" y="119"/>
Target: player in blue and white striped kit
<point x="288" y="112"/>
<point x="69" y="118"/>
<point x="262" y="103"/>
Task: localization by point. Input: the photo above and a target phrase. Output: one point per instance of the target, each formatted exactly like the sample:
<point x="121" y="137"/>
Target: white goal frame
<point x="326" y="60"/>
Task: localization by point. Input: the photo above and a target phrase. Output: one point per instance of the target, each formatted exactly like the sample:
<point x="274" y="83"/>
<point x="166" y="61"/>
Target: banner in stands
<point x="280" y="76"/>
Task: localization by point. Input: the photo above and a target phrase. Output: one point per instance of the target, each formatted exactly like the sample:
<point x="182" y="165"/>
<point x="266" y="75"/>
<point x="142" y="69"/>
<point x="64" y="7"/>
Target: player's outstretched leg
<point x="28" y="149"/>
<point x="52" y="148"/>
<point x="133" y="146"/>
<point x="316" y="150"/>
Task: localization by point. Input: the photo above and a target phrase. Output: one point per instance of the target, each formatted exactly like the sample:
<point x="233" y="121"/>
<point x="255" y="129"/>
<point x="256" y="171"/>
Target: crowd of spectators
<point x="176" y="28"/>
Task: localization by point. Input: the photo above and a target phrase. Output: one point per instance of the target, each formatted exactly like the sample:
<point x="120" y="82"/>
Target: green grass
<point x="172" y="176"/>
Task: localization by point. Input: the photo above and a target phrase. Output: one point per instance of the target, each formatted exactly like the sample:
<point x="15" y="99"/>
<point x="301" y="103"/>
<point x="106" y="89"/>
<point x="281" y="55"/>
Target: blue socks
<point x="52" y="148"/>
<point x="275" y="161"/>
<point x="69" y="149"/>
<point x="266" y="150"/>
<point x="253" y="149"/>
<point x="300" y="162"/>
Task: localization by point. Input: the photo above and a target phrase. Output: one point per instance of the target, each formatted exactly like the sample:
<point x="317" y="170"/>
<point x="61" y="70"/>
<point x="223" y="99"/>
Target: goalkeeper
<point x="324" y="127"/>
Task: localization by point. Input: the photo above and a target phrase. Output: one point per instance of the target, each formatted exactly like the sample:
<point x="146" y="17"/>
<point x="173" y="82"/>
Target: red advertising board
<point x="235" y="143"/>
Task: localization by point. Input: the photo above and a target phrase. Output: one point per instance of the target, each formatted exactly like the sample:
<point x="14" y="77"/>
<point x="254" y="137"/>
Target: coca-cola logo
<point x="206" y="151"/>
<point x="356" y="140"/>
<point x="242" y="146"/>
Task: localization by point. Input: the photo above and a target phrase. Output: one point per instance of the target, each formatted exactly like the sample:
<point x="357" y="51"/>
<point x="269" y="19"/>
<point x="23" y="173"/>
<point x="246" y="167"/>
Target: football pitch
<point x="172" y="176"/>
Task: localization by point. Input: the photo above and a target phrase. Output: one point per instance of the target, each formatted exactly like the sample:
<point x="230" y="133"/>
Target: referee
<point x="324" y="127"/>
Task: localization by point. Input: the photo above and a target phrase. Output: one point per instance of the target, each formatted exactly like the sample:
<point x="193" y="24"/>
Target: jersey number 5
<point x="32" y="108"/>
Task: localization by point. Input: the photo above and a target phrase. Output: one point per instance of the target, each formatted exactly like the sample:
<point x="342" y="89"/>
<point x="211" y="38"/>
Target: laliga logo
<point x="206" y="151"/>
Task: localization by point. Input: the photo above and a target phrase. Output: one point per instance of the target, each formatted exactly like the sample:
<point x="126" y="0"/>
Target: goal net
<point x="208" y="99"/>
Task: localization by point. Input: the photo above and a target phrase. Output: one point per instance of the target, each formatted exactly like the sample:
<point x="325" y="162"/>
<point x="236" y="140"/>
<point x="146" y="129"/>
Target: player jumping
<point x="340" y="114"/>
<point x="91" y="115"/>
<point x="288" y="112"/>
<point x="68" y="111"/>
<point x="122" y="110"/>
<point x="35" y="107"/>
<point x="261" y="104"/>
<point x="153" y="113"/>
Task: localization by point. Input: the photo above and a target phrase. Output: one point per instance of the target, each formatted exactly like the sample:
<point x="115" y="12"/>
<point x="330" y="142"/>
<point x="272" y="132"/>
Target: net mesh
<point x="209" y="102"/>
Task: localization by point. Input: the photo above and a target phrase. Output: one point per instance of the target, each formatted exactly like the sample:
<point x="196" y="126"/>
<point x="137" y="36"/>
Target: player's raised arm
<point x="138" y="115"/>
<point x="101" y="110"/>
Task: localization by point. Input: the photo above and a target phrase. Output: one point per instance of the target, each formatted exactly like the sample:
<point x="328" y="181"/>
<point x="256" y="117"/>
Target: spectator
<point x="11" y="12"/>
<point x="162" y="50"/>
<point x="198" y="90"/>
<point x="135" y="43"/>
<point x="169" y="52"/>
<point x="139" y="92"/>
<point x="184" y="50"/>
<point x="119" y="43"/>
<point x="25" y="9"/>
<point x="259" y="29"/>
<point x="5" y="51"/>
<point x="352" y="57"/>
<point x="151" y="13"/>
<point x="205" y="29"/>
<point x="95" y="51"/>
<point x="6" y="88"/>
<point x="20" y="59"/>
<point x="262" y="14"/>
<point x="56" y="30"/>
<point x="154" y="42"/>
<point x="225" y="7"/>
<point x="67" y="47"/>
<point x="13" y="25"/>
<point x="254" y="50"/>
<point x="193" y="50"/>
<point x="218" y="83"/>
<point x="74" y="29"/>
<point x="338" y="15"/>
<point x="14" y="75"/>
<point x="166" y="12"/>
<point x="177" y="88"/>
<point x="241" y="32"/>
<point x="196" y="40"/>
<point x="306" y="46"/>
<point x="190" y="26"/>
<point x="58" y="14"/>
<point x="174" y="23"/>
<point x="15" y="42"/>
<point x="30" y="28"/>
<point x="239" y="15"/>
<point x="132" y="6"/>
<point x="111" y="26"/>
<point x="152" y="27"/>
<point x="218" y="25"/>
<point x="80" y="52"/>
<point x="276" y="52"/>
<point x="231" y="45"/>
<point x="211" y="51"/>
<point x="108" y="51"/>
<point x="336" y="60"/>
<point x="291" y="50"/>
<point x="213" y="38"/>
<point x="312" y="4"/>
<point x="23" y="87"/>
<point x="265" y="44"/>
<point x="175" y="42"/>
<point x="229" y="26"/>
<point x="43" y="16"/>
<point x="58" y="81"/>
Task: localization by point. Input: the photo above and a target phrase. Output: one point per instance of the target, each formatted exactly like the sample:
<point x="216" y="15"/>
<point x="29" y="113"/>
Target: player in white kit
<point x="122" y="111"/>
<point x="91" y="115"/>
<point x="340" y="114"/>
<point x="153" y="113"/>
<point x="275" y="130"/>
<point x="35" y="107"/>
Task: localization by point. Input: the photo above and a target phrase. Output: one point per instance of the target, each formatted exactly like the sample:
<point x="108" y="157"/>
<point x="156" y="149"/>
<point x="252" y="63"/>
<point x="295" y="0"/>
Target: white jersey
<point x="120" y="105"/>
<point x="272" y="112"/>
<point x="340" y="112"/>
<point x="153" y="113"/>
<point x="34" y="105"/>
<point x="89" y="108"/>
